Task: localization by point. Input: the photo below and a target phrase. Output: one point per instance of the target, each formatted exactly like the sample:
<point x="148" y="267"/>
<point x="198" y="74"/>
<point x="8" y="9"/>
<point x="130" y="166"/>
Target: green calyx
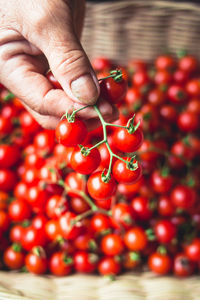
<point x="132" y="164"/>
<point x="16" y="247"/>
<point x="135" y="256"/>
<point x="131" y="127"/>
<point x="68" y="260"/>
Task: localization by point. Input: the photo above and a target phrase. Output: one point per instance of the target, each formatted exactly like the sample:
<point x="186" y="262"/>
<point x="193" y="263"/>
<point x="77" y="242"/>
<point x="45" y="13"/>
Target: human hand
<point x="37" y="35"/>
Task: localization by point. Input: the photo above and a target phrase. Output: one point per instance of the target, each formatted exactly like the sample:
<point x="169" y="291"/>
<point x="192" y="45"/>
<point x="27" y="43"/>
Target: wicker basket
<point x="135" y="286"/>
<point x="129" y="29"/>
<point x="121" y="31"/>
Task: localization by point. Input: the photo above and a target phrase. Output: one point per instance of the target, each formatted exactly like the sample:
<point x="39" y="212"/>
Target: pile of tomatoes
<point x="65" y="207"/>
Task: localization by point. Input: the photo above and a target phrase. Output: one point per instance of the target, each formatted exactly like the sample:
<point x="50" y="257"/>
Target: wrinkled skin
<point x="37" y="35"/>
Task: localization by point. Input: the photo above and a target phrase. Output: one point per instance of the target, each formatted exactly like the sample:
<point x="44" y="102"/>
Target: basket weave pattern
<point x="144" y="286"/>
<point x="141" y="29"/>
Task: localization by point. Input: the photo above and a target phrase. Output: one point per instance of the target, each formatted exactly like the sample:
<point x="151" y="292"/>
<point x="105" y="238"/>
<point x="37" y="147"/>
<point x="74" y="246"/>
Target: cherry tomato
<point x="52" y="230"/>
<point x="28" y="123"/>
<point x="125" y="173"/>
<point x="165" y="206"/>
<point x="44" y="141"/>
<point x="100" y="223"/>
<point x="19" y="210"/>
<point x="56" y="206"/>
<point x="85" y="262"/>
<point x="176" y="94"/>
<point x="67" y="229"/>
<point x="128" y="142"/>
<point x="183" y="266"/>
<point x="112" y="244"/>
<point x="109" y="266"/>
<point x="16" y="233"/>
<point x="188" y="63"/>
<point x="165" y="62"/>
<point x="75" y="182"/>
<point x="60" y="264"/>
<point x="98" y="189"/>
<point x="33" y="237"/>
<point x="192" y="250"/>
<point x="113" y="91"/>
<point x="131" y="260"/>
<point x="161" y="181"/>
<point x="101" y="63"/>
<point x="14" y="257"/>
<point x="37" y="198"/>
<point x="188" y="121"/>
<point x="78" y="205"/>
<point x="183" y="196"/>
<point x="142" y="208"/>
<point x="122" y="215"/>
<point x="160" y="263"/>
<point x="39" y="222"/>
<point x="165" y="231"/>
<point x="8" y="180"/>
<point x="9" y="155"/>
<point x="71" y="134"/>
<point x="135" y="239"/>
<point x="36" y="261"/>
<point x="83" y="163"/>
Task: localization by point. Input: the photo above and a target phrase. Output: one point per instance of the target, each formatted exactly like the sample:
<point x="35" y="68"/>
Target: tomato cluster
<point x="73" y="200"/>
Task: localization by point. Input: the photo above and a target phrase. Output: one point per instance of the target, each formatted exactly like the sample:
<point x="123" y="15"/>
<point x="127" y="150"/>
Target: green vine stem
<point x="71" y="117"/>
<point x="129" y="164"/>
<point x="115" y="74"/>
<point x="85" y="197"/>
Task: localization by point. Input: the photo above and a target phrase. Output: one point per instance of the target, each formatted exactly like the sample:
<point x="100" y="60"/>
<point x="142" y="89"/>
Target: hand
<point x="37" y="35"/>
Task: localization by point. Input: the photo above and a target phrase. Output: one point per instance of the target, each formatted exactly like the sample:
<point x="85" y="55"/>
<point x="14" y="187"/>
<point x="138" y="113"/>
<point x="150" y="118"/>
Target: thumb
<point x="66" y="57"/>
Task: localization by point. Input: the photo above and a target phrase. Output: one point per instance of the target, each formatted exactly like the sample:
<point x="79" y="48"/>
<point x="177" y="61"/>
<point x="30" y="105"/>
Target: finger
<point x="21" y="74"/>
<point x="55" y="35"/>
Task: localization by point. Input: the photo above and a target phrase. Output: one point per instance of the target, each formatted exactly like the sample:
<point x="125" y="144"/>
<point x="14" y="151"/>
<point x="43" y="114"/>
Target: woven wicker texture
<point x="143" y="286"/>
<point x="141" y="29"/>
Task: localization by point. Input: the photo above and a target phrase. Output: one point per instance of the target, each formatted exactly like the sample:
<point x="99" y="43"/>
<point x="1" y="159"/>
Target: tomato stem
<point x="115" y="74"/>
<point x="71" y="117"/>
<point x="130" y="164"/>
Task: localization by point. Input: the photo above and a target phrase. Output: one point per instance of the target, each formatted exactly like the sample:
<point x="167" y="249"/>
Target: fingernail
<point x="85" y="89"/>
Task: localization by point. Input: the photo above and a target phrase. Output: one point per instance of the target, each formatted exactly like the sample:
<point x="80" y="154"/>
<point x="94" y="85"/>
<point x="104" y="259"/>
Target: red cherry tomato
<point x="9" y="155"/>
<point x="67" y="229"/>
<point x="71" y="134"/>
<point x="165" y="231"/>
<point x="122" y="215"/>
<point x="60" y="264"/>
<point x="112" y="244"/>
<point x="160" y="263"/>
<point x="192" y="250"/>
<point x="85" y="262"/>
<point x="113" y="91"/>
<point x="128" y="142"/>
<point x="126" y="174"/>
<point x="135" y="239"/>
<point x="161" y="181"/>
<point x="83" y="163"/>
<point x="100" y="223"/>
<point x="36" y="261"/>
<point x="183" y="266"/>
<point x="14" y="257"/>
<point x="142" y="208"/>
<point x="19" y="210"/>
<point x="98" y="189"/>
<point x="183" y="196"/>
<point x="109" y="266"/>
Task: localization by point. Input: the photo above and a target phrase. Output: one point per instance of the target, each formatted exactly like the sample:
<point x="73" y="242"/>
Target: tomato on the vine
<point x="71" y="133"/>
